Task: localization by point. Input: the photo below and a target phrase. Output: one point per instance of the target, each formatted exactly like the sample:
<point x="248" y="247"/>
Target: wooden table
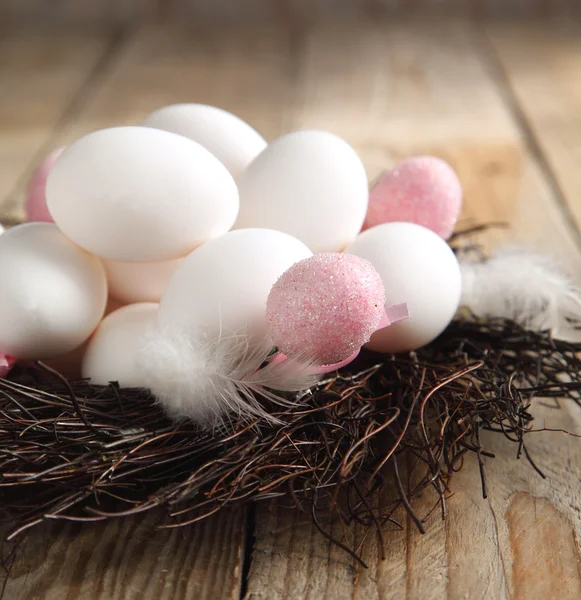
<point x="502" y="103"/>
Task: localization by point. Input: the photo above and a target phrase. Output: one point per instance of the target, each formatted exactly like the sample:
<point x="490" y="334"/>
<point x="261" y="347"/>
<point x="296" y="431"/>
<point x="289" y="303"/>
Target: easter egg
<point x="424" y="190"/>
<point x="113" y="351"/>
<point x="131" y="282"/>
<point x="52" y="293"/>
<point x="417" y="267"/>
<point x="221" y="288"/>
<point x="35" y="203"/>
<point x="309" y="184"/>
<point x="324" y="308"/>
<point x="232" y="141"/>
<point x="137" y="194"/>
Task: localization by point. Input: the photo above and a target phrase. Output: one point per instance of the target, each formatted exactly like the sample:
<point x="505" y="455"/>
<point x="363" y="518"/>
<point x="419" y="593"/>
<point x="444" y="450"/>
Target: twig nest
<point x="424" y="190"/>
<point x="113" y="352"/>
<point x="35" y="207"/>
<point x="52" y="293"/>
<point x="324" y="308"/>
<point x="221" y="288"/>
<point x="231" y="140"/>
<point x="131" y="282"/>
<point x="418" y="267"/>
<point x="140" y="194"/>
<point x="309" y="184"/>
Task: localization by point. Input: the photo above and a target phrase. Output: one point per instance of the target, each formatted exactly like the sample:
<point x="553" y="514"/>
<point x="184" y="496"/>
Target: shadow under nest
<point x="360" y="445"/>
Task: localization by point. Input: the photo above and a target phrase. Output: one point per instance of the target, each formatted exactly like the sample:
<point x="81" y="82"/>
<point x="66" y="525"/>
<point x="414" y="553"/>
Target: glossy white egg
<point x="52" y="293"/>
<point x="418" y="267"/>
<point x="140" y="194"/>
<point x="309" y="184"/>
<point x="221" y="288"/>
<point x="113" y="351"/>
<point x="230" y="139"/>
<point x="131" y="282"/>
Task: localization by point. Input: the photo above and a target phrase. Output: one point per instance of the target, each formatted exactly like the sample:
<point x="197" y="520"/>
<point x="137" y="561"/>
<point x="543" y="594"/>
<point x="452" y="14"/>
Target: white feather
<point x="529" y="288"/>
<point x="212" y="381"/>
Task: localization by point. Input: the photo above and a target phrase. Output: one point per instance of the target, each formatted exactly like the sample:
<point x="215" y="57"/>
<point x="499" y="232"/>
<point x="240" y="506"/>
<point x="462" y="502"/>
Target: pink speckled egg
<point x="424" y="190"/>
<point x="324" y="308"/>
<point x="36" y="209"/>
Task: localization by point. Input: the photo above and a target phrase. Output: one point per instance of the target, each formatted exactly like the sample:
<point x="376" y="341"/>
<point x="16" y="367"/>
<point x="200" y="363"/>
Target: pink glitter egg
<point x="424" y="190"/>
<point x="36" y="209"/>
<point x="324" y="308"/>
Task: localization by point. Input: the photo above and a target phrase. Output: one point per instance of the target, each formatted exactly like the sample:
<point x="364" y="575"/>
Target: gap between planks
<point x="498" y="73"/>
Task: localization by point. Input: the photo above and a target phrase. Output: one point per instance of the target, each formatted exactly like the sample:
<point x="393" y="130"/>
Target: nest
<point x="357" y="447"/>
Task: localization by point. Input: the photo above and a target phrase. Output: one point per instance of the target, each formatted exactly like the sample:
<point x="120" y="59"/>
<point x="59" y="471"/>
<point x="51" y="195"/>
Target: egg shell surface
<point x="418" y="267"/>
<point x="324" y="308"/>
<point x="423" y="190"/>
<point x="52" y="293"/>
<point x="131" y="282"/>
<point x="112" y="352"/>
<point x="137" y="194"/>
<point x="309" y="184"/>
<point x="70" y="364"/>
<point x="230" y="139"/>
<point x="221" y="288"/>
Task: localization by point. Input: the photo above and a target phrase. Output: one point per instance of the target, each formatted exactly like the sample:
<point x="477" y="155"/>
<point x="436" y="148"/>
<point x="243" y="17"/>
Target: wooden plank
<point x="41" y="75"/>
<point x="543" y="69"/>
<point x="128" y="559"/>
<point x="394" y="90"/>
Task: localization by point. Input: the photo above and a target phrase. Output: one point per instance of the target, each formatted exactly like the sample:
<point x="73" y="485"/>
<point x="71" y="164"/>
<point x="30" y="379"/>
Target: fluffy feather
<point x="529" y="288"/>
<point x="213" y="381"/>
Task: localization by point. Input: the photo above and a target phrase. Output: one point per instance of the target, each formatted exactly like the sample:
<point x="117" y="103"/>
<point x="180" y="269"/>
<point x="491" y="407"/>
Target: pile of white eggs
<point x="188" y="220"/>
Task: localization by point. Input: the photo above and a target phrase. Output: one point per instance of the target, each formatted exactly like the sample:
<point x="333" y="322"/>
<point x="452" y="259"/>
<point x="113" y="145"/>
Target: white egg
<point x="1" y="229"/>
<point x="418" y="267"/>
<point x="310" y="184"/>
<point x="113" y="350"/>
<point x="140" y="195"/>
<point x="230" y="139"/>
<point x="52" y="293"/>
<point x="132" y="282"/>
<point x="222" y="287"/>
<point x="69" y="364"/>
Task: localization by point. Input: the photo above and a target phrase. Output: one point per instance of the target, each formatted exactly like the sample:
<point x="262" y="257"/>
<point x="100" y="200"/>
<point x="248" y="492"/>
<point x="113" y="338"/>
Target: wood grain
<point x="129" y="559"/>
<point x="546" y="560"/>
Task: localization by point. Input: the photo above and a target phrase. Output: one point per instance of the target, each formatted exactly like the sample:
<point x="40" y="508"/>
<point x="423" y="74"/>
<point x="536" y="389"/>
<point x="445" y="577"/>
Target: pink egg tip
<point x="6" y="364"/>
<point x="324" y="308"/>
<point x="424" y="190"/>
<point x="36" y="209"/>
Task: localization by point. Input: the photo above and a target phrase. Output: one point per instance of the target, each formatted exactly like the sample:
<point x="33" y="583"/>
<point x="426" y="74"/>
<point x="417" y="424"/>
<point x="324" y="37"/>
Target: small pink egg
<point x="324" y="308"/>
<point x="424" y="190"/>
<point x="36" y="209"/>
